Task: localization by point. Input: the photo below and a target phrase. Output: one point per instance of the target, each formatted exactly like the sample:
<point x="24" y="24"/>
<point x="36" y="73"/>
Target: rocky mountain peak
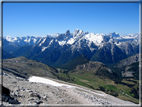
<point x="67" y="32"/>
<point x="98" y="47"/>
<point x="77" y="32"/>
<point x="114" y="34"/>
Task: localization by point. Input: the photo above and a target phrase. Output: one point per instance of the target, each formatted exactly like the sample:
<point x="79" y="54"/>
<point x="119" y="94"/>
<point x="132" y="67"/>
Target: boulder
<point x="35" y="95"/>
<point x="6" y="96"/>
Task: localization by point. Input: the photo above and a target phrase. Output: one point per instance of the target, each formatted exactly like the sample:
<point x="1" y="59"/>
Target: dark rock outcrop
<point x="6" y="96"/>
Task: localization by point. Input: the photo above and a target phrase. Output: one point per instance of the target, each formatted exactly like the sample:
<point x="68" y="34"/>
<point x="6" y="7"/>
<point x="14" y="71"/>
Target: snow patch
<point x="92" y="49"/>
<point x="96" y="39"/>
<point x="42" y="42"/>
<point x="71" y="41"/>
<point x="34" y="40"/>
<point x="47" y="81"/>
<point x="27" y="40"/>
<point x="51" y="42"/>
<point x="43" y="48"/>
<point x="118" y="44"/>
<point x="62" y="42"/>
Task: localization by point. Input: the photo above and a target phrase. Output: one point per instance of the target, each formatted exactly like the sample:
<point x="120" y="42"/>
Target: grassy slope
<point x="95" y="82"/>
<point x="93" y="78"/>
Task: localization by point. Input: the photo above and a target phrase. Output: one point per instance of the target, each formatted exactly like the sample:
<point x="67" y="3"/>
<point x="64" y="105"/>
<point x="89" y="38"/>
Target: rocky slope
<point x="31" y="93"/>
<point x="9" y="47"/>
<point x="95" y="69"/>
<point x="128" y="67"/>
<point x="6" y="55"/>
<point x="127" y="61"/>
<point x="24" y="68"/>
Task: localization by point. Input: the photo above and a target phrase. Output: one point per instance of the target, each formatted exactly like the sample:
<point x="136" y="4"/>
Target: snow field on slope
<point x="11" y="39"/>
<point x="43" y="48"/>
<point x="62" y="42"/>
<point x="42" y="42"/>
<point x="71" y="41"/>
<point x="96" y="39"/>
<point x="47" y="81"/>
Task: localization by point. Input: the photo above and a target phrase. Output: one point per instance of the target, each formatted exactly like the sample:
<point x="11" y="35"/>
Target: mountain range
<point x="59" y="49"/>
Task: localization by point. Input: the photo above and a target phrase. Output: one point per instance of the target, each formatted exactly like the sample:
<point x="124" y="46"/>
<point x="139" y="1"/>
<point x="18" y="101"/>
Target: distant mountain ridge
<point x="61" y="48"/>
<point x="128" y="67"/>
<point x="70" y="38"/>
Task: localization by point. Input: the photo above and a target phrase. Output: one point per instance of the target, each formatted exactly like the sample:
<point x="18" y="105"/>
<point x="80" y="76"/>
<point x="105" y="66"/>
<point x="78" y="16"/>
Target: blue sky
<point x="40" y="19"/>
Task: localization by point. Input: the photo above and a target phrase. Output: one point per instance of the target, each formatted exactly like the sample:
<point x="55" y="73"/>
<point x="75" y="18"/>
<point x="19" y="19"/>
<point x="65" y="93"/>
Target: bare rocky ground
<point x="38" y="94"/>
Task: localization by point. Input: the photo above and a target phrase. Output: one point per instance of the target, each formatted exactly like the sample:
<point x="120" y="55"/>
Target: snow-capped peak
<point x="26" y="40"/>
<point x="73" y="38"/>
<point x="114" y="34"/>
<point x="96" y="39"/>
<point x="77" y="32"/>
<point x="53" y="35"/>
<point x="11" y="39"/>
